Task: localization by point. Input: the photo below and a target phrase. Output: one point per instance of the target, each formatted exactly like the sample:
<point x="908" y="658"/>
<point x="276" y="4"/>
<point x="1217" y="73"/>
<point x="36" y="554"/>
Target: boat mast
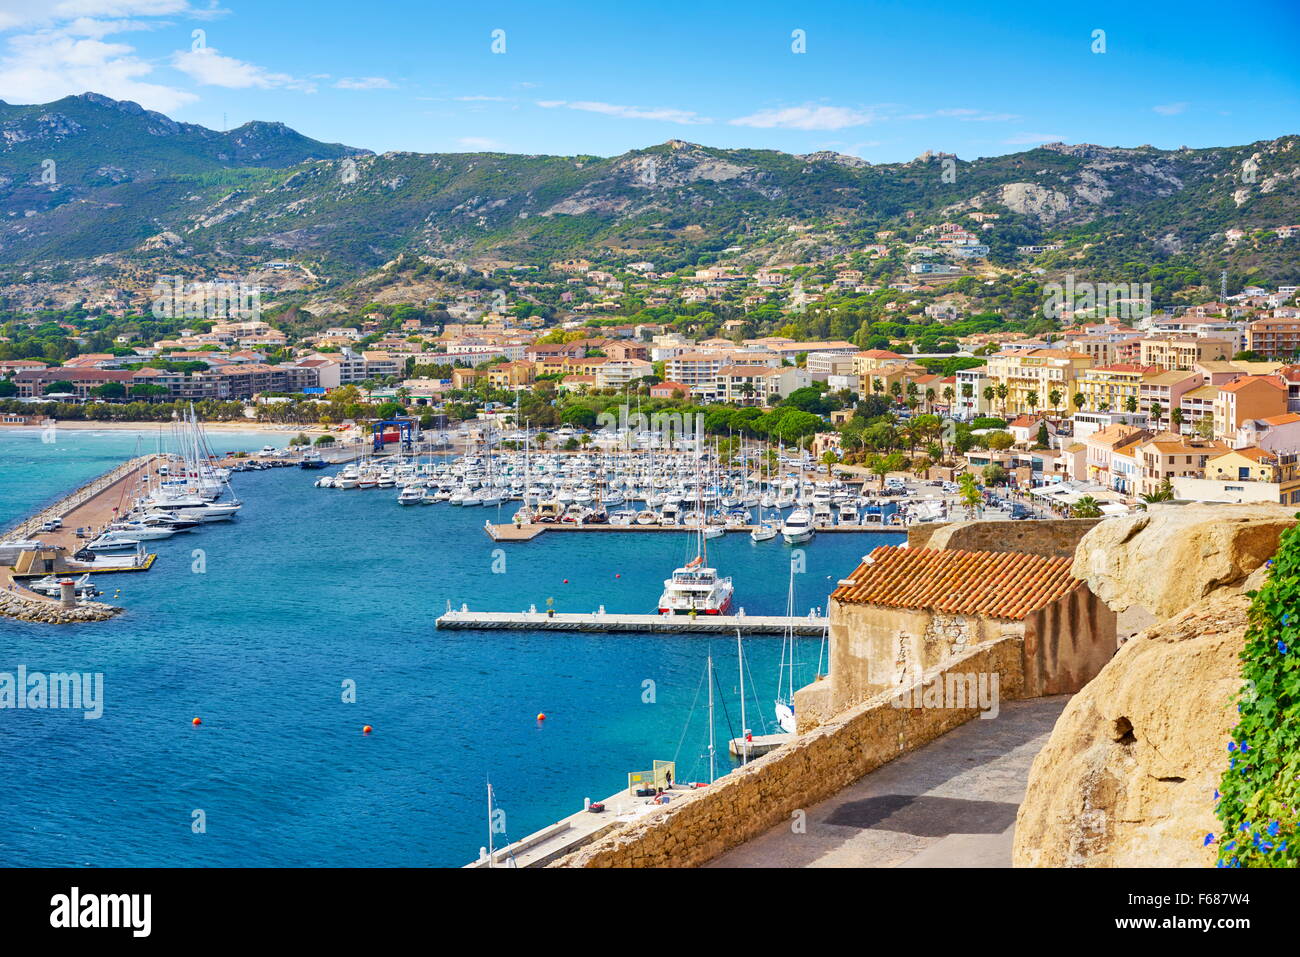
<point x="713" y="774"/>
<point x="744" y="740"/>
<point x="491" y="850"/>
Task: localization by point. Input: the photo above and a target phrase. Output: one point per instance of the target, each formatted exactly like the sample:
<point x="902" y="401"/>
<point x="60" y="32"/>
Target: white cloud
<point x="209" y="67"/>
<point x="31" y="13"/>
<point x="964" y="115"/>
<point x="1029" y="139"/>
<point x="662" y="114"/>
<point x="50" y="64"/>
<point x="1170" y="109"/>
<point x="807" y="117"/>
<point x="364" y="83"/>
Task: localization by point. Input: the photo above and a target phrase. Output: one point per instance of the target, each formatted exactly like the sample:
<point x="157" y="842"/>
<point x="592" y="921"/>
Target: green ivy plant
<point x="1259" y="793"/>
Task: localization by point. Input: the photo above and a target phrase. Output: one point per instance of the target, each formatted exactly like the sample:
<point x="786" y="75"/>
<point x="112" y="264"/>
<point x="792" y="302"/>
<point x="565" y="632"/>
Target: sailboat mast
<point x="713" y="773"/>
<point x="744" y="739"/>
<point x="491" y="849"/>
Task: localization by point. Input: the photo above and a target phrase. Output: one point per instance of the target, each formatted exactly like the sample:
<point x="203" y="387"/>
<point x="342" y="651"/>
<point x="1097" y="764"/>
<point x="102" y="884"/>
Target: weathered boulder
<point x="1127" y="778"/>
<point x="1171" y="556"/>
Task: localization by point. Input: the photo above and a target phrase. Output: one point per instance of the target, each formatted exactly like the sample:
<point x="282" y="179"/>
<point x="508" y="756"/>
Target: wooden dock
<point x="601" y="621"/>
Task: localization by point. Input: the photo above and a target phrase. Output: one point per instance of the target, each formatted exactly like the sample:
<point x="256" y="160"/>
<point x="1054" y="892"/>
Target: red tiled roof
<point x="1006" y="585"/>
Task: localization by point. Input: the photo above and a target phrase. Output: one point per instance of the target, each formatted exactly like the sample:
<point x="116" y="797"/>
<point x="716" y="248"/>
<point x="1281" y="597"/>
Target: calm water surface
<point x="311" y="588"/>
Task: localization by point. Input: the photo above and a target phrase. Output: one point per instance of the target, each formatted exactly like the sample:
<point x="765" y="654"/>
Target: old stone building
<point x="905" y="611"/>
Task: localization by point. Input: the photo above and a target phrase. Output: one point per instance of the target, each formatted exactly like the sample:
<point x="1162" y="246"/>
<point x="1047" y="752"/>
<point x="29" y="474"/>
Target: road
<point x="951" y="803"/>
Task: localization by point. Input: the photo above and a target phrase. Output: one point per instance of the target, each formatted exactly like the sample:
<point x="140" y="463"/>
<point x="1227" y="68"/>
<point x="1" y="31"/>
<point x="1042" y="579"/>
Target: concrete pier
<point x="614" y="623"/>
<point x="527" y="532"/>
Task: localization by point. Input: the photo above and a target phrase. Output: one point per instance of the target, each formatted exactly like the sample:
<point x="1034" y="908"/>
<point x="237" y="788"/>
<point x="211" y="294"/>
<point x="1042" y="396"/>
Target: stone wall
<point x="1067" y="644"/>
<point x="873" y="649"/>
<point x="1055" y="538"/>
<point x="699" y="826"/>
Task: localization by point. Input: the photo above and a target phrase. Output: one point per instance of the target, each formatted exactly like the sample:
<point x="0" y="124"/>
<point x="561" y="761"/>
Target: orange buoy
<point x="367" y="729"/>
<point x="541" y="716"/>
<point x="196" y="722"/>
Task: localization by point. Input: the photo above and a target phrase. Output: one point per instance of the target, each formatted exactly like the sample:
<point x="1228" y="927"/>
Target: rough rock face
<point x="1172" y="556"/>
<point x="1128" y="776"/>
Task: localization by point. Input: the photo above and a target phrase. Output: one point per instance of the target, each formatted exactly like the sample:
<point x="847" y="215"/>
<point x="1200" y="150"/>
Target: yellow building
<point x="1255" y="465"/>
<point x="1036" y="374"/>
<point x="1174" y="353"/>
<point x="1110" y="388"/>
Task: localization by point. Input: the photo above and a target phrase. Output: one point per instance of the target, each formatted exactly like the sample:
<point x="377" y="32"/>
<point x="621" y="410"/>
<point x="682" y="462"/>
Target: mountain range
<point x="89" y="184"/>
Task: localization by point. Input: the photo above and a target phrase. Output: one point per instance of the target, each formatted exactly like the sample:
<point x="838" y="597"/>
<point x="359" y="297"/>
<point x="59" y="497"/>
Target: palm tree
<point x="1031" y="397"/>
<point x="1002" y="393"/>
<point x="1131" y="404"/>
<point x="1079" y="400"/>
<point x="1176" y="419"/>
<point x="1086" y="507"/>
<point x="929" y="399"/>
<point x="948" y="396"/>
<point x="1157" y="410"/>
<point x="1164" y="493"/>
<point x="1054" y="399"/>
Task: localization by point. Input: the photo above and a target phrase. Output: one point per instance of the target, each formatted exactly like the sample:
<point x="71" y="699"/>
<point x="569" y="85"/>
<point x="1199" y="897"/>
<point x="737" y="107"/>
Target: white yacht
<point x="798" y="527"/>
<point x="696" y="588"/>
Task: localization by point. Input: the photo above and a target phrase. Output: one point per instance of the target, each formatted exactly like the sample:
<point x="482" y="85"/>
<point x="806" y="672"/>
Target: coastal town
<point x="1090" y="410"/>
<point x="588" y="438"/>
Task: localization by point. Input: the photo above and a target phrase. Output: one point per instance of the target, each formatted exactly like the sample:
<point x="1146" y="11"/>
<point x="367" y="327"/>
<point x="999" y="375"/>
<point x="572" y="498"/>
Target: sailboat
<point x="785" y="676"/>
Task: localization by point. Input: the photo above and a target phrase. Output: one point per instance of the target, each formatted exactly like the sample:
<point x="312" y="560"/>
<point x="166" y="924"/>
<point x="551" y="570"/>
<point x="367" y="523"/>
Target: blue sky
<point x="881" y="80"/>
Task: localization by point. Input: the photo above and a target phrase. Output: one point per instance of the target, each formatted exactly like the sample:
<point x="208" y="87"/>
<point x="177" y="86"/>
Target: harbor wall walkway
<point x="779" y="787"/>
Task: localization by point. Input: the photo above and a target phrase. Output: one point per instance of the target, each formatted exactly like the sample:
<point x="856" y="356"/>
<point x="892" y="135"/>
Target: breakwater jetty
<point x="602" y="621"/>
<point x="92" y="505"/>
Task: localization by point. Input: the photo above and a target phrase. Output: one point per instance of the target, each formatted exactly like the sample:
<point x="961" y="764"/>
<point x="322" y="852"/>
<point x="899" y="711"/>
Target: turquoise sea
<point x="313" y="589"/>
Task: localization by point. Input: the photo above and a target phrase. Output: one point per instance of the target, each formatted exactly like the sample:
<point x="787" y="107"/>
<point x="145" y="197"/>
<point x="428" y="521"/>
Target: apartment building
<point x="618" y="373"/>
<point x="1166" y="390"/>
<point x="1245" y="475"/>
<point x="1117" y="387"/>
<point x="1276" y="338"/>
<point x="701" y="368"/>
<point x="1247" y="397"/>
<point x="1101" y="447"/>
<point x="758" y="385"/>
<point x="969" y="386"/>
<point x="1168" y="456"/>
<point x="1174" y="353"/>
<point x="1036" y="374"/>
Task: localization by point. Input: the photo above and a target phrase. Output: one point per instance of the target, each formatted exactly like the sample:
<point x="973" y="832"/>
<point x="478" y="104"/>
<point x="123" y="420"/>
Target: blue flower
<point x="1245" y="826"/>
<point x="1231" y="845"/>
<point x="1281" y="646"/>
<point x="1273" y="829"/>
<point x="1232" y="745"/>
<point x="1209" y="839"/>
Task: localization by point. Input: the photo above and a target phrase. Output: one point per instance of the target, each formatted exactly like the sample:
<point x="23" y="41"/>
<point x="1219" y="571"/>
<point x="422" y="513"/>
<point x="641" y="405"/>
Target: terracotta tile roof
<point x="1006" y="585"/>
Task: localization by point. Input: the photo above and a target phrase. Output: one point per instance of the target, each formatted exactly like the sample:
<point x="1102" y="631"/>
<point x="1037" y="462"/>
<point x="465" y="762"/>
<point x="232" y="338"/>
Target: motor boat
<point x="798" y="527"/>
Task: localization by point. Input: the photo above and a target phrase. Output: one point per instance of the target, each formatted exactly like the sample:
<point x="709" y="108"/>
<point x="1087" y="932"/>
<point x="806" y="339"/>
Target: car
<point x="53" y="525"/>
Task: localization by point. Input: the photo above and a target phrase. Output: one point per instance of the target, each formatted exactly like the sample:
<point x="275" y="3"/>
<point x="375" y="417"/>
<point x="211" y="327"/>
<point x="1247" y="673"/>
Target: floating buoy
<point x="566" y="581"/>
<point x="541" y="716"/>
<point x="617" y="575"/>
<point x="367" y="729"/>
<point x="196" y="722"/>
